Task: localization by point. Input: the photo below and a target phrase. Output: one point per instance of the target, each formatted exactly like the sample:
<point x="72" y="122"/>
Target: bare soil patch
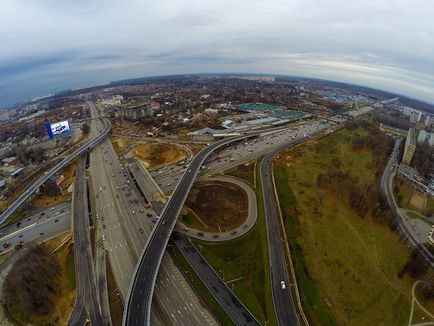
<point x="418" y="201"/>
<point x="157" y="155"/>
<point x="219" y="206"/>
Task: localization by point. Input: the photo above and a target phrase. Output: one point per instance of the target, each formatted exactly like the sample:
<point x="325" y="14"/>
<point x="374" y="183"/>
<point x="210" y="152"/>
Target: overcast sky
<point x="50" y="45"/>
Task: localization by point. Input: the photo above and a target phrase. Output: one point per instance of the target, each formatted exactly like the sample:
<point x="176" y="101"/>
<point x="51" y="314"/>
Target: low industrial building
<point x="16" y="172"/>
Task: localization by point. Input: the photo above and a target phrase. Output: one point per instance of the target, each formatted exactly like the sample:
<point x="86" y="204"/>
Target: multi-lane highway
<point x="23" y="197"/>
<point x="233" y="156"/>
<point x="138" y="307"/>
<point x="87" y="299"/>
<point x="37" y="227"/>
<point x="230" y="303"/>
<point x="125" y="223"/>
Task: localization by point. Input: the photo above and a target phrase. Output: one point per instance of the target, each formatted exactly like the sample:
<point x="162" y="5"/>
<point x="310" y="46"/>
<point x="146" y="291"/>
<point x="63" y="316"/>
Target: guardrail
<point x="23" y="197"/>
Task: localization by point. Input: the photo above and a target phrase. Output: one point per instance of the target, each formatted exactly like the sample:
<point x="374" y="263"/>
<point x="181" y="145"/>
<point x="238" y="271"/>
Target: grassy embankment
<point x="244" y="263"/>
<point x="345" y="257"/>
<point x="244" y="171"/>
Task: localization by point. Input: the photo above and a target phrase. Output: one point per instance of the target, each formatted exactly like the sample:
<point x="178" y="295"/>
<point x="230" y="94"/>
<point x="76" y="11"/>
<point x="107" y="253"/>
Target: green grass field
<point x="346" y="266"/>
<point x="244" y="171"/>
<point x="246" y="258"/>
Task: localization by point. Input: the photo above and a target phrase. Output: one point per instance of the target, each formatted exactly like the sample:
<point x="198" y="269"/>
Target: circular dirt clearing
<point x="157" y="155"/>
<point x="216" y="206"/>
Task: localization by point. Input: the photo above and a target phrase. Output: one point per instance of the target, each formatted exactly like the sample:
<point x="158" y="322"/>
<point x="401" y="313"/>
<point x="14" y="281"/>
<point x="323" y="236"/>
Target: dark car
<point x="18" y="224"/>
<point x="141" y="231"/>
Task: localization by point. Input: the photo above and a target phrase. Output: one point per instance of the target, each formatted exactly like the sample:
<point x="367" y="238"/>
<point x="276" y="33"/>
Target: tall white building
<point x="425" y="138"/>
<point x="412" y="114"/>
<point x="428" y="121"/>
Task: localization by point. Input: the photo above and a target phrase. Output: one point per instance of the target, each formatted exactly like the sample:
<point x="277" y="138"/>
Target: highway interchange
<point x="132" y="228"/>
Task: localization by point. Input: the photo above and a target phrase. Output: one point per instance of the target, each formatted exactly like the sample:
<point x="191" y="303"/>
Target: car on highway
<point x="282" y="285"/>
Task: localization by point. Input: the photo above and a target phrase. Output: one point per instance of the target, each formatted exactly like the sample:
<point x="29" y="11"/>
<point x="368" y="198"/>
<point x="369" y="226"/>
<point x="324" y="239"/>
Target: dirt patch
<point x="157" y="155"/>
<point x="418" y="201"/>
<point x="218" y="206"/>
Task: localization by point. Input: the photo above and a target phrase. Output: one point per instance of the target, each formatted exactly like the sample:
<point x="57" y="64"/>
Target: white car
<point x="282" y="285"/>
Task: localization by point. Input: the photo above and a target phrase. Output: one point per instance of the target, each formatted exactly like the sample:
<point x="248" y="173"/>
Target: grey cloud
<point x="385" y="44"/>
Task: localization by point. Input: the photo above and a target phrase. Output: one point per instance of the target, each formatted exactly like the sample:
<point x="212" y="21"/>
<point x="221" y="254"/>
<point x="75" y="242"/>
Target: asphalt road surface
<point x="87" y="299"/>
<point x="36" y="228"/>
<point x="126" y="225"/>
<point x="232" y="305"/>
<point x="230" y="157"/>
<point x="283" y="303"/>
